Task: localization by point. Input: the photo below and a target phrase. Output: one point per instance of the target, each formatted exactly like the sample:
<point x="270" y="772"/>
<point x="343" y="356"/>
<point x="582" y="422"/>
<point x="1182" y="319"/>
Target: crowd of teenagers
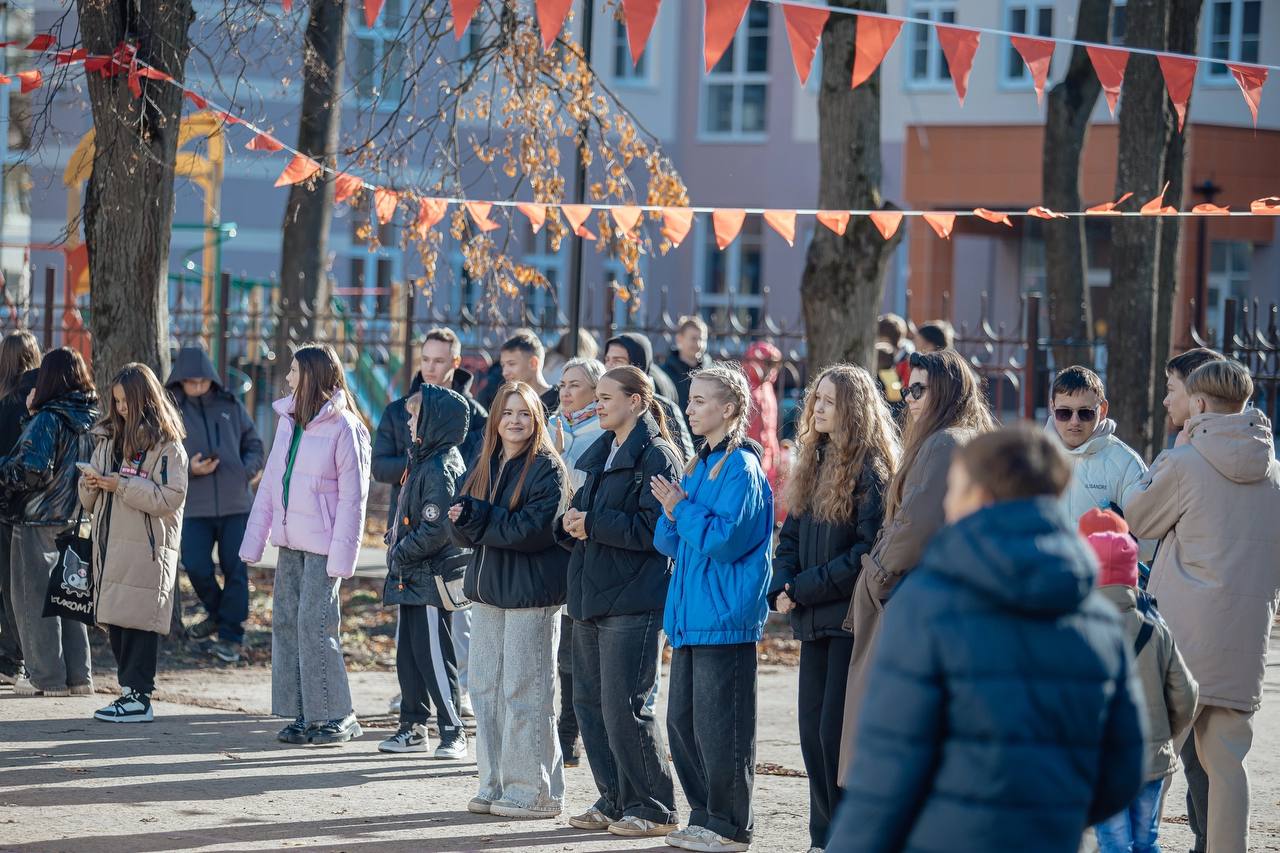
<point x="987" y="662"/>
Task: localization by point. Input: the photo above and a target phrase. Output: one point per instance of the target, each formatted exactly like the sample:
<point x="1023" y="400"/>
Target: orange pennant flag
<point x="5" y="80"/>
<point x="1211" y="210"/>
<point x="345" y="186"/>
<point x="784" y="222"/>
<point x="719" y="25"/>
<point x="551" y="15"/>
<point x="430" y="212"/>
<point x="727" y="223"/>
<point x="960" y="47"/>
<point x="640" y="15"/>
<point x="886" y="222"/>
<point x="300" y="168"/>
<point x="1250" y="79"/>
<point x="479" y="211"/>
<point x="1157" y="207"/>
<point x="577" y="215"/>
<point x="288" y="5"/>
<point x="196" y="99"/>
<point x="1179" y="76"/>
<point x="41" y="43"/>
<point x="804" y="31"/>
<point x="941" y="223"/>
<point x="836" y="220"/>
<point x="385" y="203"/>
<point x="993" y="216"/>
<point x="627" y="216"/>
<point x="463" y="12"/>
<point x="676" y="222"/>
<point x="536" y="214"/>
<point x="372" y="9"/>
<point x="1038" y="55"/>
<point x="264" y="142"/>
<point x="1269" y="206"/>
<point x="872" y="41"/>
<point x="1109" y="206"/>
<point x="30" y="80"/>
<point x="1108" y="64"/>
<point x="1040" y="212"/>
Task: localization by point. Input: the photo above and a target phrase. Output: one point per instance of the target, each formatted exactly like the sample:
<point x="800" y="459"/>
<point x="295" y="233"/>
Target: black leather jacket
<point x="38" y="479"/>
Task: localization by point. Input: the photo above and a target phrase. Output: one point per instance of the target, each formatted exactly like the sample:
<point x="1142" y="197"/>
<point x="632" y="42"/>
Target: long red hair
<point x="480" y="483"/>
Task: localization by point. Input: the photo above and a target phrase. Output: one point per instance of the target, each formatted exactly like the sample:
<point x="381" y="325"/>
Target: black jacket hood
<point x="638" y="348"/>
<point x="77" y="409"/>
<point x="192" y="363"/>
<point x="442" y="423"/>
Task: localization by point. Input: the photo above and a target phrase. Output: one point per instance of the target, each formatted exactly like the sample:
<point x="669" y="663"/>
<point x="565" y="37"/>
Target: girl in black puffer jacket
<point x="509" y="507"/>
<point x="617" y="592"/>
<point x="39" y="479"/>
<point x="846" y="436"/>
<point x="425" y="572"/>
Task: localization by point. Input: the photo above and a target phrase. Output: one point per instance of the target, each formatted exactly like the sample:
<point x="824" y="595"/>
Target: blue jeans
<point x="1137" y="828"/>
<point x="228" y="605"/>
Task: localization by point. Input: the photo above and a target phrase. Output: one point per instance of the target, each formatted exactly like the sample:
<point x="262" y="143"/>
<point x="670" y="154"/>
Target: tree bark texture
<point x="1071" y="103"/>
<point x="1184" y="29"/>
<point x="1146" y="119"/>
<point x="843" y="281"/>
<point x="128" y="204"/>
<point x="304" y="254"/>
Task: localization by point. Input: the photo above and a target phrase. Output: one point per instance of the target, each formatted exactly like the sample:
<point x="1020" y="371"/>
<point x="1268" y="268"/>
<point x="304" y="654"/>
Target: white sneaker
<point x="464" y="706"/>
<point x="703" y="840"/>
<point x="638" y="827"/>
<point x="453" y="746"/>
<point x="410" y="738"/>
<point x="592" y="820"/>
<point x="505" y="809"/>
<point x="479" y="805"/>
<point x="23" y="687"/>
<point x="129" y="708"/>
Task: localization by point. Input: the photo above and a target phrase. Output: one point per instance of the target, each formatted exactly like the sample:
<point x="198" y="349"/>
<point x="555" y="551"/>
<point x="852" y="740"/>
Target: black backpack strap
<point x="1147" y="610"/>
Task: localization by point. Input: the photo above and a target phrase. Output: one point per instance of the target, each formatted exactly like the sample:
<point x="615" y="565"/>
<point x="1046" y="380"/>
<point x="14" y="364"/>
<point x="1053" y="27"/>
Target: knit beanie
<point x="1102" y="521"/>
<point x="1117" y="558"/>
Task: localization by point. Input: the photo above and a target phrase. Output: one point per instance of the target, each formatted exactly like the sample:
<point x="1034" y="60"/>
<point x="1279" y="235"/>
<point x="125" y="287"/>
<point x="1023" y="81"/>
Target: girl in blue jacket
<point x="717" y="526"/>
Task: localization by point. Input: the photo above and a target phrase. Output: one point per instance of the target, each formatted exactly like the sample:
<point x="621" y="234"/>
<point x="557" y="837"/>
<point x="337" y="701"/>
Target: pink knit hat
<point x="1117" y="558"/>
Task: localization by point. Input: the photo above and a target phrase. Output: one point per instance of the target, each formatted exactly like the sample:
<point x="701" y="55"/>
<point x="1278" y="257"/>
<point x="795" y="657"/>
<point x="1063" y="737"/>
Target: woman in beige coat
<point x="946" y="407"/>
<point x="135" y="489"/>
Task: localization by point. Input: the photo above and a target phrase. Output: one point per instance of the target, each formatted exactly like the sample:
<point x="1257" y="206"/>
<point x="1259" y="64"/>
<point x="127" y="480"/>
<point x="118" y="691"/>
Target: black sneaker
<point x="226" y="652"/>
<point x="295" y="732"/>
<point x="335" y="732"/>
<point x="572" y="755"/>
<point x="129" y="708"/>
<point x="203" y="630"/>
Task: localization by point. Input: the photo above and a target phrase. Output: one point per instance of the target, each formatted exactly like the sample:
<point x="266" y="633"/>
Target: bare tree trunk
<point x="304" y="252"/>
<point x="1184" y="27"/>
<point x="1071" y="103"/>
<point x="843" y="280"/>
<point x="1145" y="122"/>
<point x="128" y="204"/>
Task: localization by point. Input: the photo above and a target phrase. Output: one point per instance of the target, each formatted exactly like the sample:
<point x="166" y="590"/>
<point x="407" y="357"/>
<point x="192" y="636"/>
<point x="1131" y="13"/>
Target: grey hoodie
<point x="217" y="425"/>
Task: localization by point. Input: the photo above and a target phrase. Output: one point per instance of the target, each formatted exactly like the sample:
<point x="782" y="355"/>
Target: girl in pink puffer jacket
<point x="311" y="503"/>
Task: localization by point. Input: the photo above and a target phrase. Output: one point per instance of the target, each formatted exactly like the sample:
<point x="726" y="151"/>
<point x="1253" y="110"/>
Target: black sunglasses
<point x="915" y="390"/>
<point x="1086" y="416"/>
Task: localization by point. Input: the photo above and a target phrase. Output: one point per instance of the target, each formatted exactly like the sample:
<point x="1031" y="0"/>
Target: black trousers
<point x="711" y="725"/>
<point x="567" y="725"/>
<point x="1197" y="796"/>
<point x="137" y="655"/>
<point x="824" y="673"/>
<point x="10" y="647"/>
<point x="427" y="667"/>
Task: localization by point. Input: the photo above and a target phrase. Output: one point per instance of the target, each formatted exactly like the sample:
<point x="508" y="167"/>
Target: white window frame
<point x="933" y="81"/>
<point x="1121" y="4"/>
<point x="630" y="321"/>
<point x="469" y="335"/>
<point x="1215" y="73"/>
<point x="388" y="251"/>
<point x="1231" y="283"/>
<point x="732" y="298"/>
<point x="739" y="78"/>
<point x="629" y="76"/>
<point x="537" y="299"/>
<point x="1014" y="74"/>
<point x="381" y="37"/>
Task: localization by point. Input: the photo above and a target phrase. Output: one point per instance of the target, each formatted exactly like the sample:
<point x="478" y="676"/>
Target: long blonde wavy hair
<point x="829" y="467"/>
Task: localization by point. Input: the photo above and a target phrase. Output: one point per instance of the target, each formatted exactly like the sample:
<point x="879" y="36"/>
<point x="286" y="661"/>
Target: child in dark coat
<point x="425" y="571"/>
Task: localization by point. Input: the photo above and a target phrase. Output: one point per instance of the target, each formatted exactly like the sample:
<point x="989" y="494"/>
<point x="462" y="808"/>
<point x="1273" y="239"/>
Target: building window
<point x="543" y="303"/>
<point x="373" y="270"/>
<point x="380" y="57"/>
<point x="627" y="313"/>
<point x="732" y="281"/>
<point x="1230" y="269"/>
<point x="623" y="70"/>
<point x="1034" y="19"/>
<point x="1234" y="33"/>
<point x="734" y="94"/>
<point x="926" y="63"/>
<point x="1119" y="21"/>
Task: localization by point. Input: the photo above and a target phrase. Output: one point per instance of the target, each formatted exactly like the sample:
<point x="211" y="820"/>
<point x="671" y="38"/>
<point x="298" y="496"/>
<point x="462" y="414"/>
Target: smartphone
<point x="86" y="468"/>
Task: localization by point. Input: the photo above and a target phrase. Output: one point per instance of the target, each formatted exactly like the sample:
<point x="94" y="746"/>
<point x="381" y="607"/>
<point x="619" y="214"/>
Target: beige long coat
<point x="136" y="537"/>
<point x="1215" y="504"/>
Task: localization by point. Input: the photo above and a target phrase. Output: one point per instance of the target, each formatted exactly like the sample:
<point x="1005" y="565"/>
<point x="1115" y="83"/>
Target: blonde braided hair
<point x="733" y="389"/>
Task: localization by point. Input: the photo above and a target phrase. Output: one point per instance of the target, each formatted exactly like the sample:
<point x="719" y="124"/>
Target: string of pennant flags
<point x="677" y="222"/>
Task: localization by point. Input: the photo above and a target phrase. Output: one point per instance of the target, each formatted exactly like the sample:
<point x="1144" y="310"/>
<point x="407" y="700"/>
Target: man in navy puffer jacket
<point x="1001" y="713"/>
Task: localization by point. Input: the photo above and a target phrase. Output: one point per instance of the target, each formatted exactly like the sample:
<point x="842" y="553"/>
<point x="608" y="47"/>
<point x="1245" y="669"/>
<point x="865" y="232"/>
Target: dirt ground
<point x="208" y="774"/>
